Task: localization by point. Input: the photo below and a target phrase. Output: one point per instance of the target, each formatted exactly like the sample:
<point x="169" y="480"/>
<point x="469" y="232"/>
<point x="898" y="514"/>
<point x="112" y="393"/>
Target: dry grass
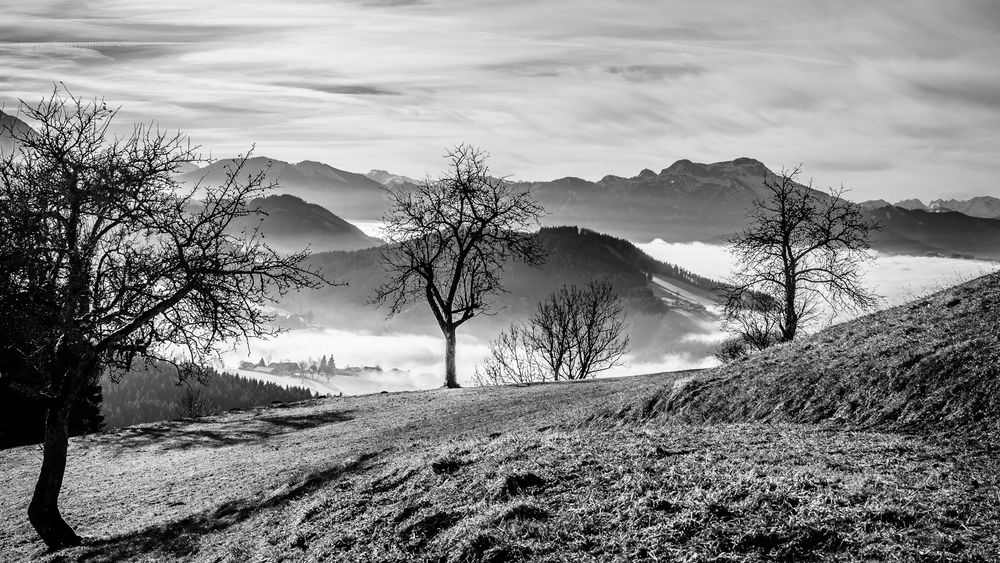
<point x="667" y="493"/>
<point x="928" y="365"/>
<point x="873" y="441"/>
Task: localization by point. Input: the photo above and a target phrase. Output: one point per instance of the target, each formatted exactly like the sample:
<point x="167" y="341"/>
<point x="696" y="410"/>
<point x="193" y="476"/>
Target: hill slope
<point x="10" y="124"/>
<point x="518" y="473"/>
<point x="930" y="364"/>
<point x="291" y="224"/>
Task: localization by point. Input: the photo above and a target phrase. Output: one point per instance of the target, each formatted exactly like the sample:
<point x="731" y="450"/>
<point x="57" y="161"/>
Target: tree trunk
<point x="791" y="324"/>
<point x="450" y="375"/>
<point x="43" y="512"/>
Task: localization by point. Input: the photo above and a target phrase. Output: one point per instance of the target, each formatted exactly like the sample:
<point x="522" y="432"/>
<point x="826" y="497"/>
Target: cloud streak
<point x="892" y="99"/>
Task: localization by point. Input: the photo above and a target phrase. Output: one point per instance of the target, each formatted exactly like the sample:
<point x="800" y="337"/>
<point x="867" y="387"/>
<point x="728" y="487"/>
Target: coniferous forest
<point x="152" y="393"/>
<point x="146" y="394"/>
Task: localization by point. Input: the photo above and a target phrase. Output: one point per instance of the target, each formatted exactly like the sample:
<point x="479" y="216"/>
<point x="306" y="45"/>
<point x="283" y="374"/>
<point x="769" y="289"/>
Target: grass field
<point x="873" y="441"/>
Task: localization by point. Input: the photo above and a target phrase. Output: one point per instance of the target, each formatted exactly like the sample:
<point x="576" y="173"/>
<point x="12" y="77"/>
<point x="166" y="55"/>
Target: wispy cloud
<point x="347" y="89"/>
<point x="892" y="99"/>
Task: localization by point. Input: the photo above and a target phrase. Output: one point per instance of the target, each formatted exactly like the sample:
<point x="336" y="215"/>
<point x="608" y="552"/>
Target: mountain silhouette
<point x="290" y="224"/>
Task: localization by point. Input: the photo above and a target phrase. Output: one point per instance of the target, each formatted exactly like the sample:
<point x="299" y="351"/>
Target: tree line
<point x="153" y="393"/>
<point x="150" y="393"/>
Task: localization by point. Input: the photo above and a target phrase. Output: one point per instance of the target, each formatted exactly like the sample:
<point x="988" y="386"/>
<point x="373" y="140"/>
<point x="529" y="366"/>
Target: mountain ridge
<point x="10" y="123"/>
<point x="346" y="194"/>
<point x="575" y="256"/>
<point x="290" y="224"/>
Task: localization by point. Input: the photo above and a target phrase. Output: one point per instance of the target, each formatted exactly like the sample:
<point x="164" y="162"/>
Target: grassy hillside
<point x="930" y="364"/>
<point x="873" y="441"/>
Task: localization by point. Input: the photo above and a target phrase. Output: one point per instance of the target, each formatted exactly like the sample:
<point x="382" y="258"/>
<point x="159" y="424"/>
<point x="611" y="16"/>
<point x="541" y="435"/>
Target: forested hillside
<point x="574" y="256"/>
<point x="152" y="393"/>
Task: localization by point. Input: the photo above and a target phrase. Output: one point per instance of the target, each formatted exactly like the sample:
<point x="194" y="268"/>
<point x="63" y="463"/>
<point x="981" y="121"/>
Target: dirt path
<point x="123" y="482"/>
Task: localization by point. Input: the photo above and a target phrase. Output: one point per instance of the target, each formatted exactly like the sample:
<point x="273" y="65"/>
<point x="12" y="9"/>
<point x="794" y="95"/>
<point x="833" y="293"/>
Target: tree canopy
<point x="801" y="248"/>
<point x="105" y="259"/>
<point x="448" y="241"/>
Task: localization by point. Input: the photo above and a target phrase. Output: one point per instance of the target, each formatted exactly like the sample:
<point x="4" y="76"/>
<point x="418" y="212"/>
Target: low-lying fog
<point x="419" y="358"/>
<point x="895" y="278"/>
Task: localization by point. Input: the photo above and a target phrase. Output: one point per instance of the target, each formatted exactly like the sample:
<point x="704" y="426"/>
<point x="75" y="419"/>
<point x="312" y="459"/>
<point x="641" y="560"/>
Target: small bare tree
<point x="448" y="241"/>
<point x="512" y="359"/>
<point x="575" y="333"/>
<point x="801" y="248"/>
<point x="111" y="260"/>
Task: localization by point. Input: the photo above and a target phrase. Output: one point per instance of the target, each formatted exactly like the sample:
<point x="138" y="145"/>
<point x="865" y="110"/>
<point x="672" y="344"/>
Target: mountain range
<point x="355" y="197"/>
<point x="985" y="207"/>
<point x="707" y="202"/>
<point x="684" y="202"/>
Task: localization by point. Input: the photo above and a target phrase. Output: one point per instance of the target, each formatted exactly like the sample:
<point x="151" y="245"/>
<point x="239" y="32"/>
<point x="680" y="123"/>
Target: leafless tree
<point x="113" y="261"/>
<point x="512" y="359"/>
<point x="801" y="248"/>
<point x="575" y="333"/>
<point x="448" y="241"/>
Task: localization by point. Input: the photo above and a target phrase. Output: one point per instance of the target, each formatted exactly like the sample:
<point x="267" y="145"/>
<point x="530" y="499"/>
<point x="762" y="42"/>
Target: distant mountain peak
<point x="679" y="166"/>
<point x="388" y="179"/>
<point x="986" y="207"/>
<point x="912" y="204"/>
<point x="749" y="166"/>
<point x="747" y="161"/>
<point x="874" y="204"/>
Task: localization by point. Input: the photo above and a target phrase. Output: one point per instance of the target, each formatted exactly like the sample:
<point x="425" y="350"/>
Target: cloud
<point x="896" y="278"/>
<point x="653" y="73"/>
<point x="602" y="87"/>
<point x="348" y="89"/>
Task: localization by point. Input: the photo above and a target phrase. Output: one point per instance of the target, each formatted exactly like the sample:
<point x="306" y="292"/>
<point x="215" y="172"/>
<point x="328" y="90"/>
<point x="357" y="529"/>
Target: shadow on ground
<point x="212" y="434"/>
<point x="180" y="538"/>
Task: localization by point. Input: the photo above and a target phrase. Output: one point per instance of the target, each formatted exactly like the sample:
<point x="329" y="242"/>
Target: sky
<point x="893" y="99"/>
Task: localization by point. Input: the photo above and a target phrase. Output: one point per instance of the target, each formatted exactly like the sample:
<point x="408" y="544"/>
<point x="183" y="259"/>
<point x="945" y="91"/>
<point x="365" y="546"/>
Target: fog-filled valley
<point x="652" y="235"/>
<point x="357" y="334"/>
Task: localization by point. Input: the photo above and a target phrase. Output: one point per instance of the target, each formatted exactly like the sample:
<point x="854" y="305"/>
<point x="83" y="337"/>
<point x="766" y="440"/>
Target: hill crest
<point x="930" y="364"/>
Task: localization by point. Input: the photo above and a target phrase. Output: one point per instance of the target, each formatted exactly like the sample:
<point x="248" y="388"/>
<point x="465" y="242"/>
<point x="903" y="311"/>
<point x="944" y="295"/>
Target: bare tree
<point x="512" y="359"/>
<point x="448" y="241"/>
<point x="575" y="333"/>
<point x="801" y="248"/>
<point x="114" y="261"/>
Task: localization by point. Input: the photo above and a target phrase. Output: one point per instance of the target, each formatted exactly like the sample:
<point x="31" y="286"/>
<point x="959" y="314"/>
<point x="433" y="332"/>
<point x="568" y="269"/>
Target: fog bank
<point x="420" y="358"/>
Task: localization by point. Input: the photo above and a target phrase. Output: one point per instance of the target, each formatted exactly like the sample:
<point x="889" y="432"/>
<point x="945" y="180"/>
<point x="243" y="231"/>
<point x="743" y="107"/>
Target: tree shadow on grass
<point x="180" y="538"/>
<point x="188" y="434"/>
